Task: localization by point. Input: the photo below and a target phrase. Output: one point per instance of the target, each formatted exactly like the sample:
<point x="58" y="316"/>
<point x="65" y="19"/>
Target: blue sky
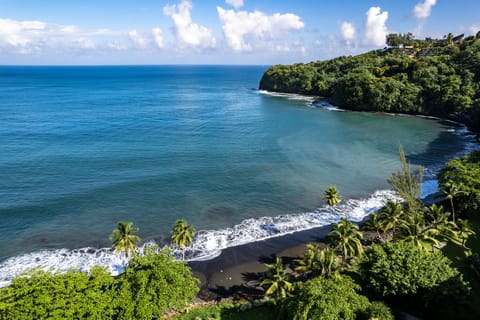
<point x="91" y="32"/>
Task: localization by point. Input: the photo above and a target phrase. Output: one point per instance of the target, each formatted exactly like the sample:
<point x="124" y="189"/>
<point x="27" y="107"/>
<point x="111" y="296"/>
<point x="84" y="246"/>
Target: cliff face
<point x="444" y="83"/>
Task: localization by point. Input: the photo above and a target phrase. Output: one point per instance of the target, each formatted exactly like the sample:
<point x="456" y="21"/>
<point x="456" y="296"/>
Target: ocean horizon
<point x="84" y="147"/>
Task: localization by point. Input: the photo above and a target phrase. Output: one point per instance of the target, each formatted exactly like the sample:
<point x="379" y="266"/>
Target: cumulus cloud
<point x="158" y="37"/>
<point x="187" y="33"/>
<point x="422" y="10"/>
<point x="28" y="37"/>
<point x="244" y="30"/>
<point x="375" y="26"/>
<point x="348" y="31"/>
<point x="138" y="40"/>
<point x="235" y="3"/>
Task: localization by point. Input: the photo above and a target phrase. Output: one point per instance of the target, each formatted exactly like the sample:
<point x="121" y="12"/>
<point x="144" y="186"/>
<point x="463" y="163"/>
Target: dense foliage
<point x="399" y="268"/>
<point x="151" y="286"/>
<point x="436" y="77"/>
<point x="464" y="173"/>
<point x="327" y="298"/>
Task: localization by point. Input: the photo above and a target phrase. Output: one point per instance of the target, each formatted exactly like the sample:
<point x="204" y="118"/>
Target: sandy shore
<point x="236" y="270"/>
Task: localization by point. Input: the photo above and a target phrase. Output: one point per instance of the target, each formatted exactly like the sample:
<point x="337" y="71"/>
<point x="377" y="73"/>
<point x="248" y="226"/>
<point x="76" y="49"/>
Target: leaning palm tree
<point x="277" y="280"/>
<point x="375" y="223"/>
<point x="124" y="239"/>
<point x="348" y="238"/>
<point x="464" y="231"/>
<point x="332" y="196"/>
<point x="182" y="235"/>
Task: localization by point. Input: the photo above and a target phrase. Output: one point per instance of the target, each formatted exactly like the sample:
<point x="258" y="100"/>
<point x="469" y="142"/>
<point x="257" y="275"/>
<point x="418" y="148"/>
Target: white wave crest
<point x="207" y="243"/>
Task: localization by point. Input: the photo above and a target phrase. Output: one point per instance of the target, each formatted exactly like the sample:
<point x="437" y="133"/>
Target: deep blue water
<point x="82" y="148"/>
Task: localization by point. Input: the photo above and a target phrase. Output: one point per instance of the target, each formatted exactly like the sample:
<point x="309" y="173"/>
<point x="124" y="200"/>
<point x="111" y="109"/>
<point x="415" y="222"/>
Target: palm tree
<point x="332" y="196"/>
<point x="391" y="215"/>
<point x="317" y="262"/>
<point x="415" y="230"/>
<point x="182" y="235"/>
<point x="348" y="238"/>
<point x="375" y="223"/>
<point x="451" y="190"/>
<point x="464" y="231"/>
<point x="124" y="239"/>
<point x="277" y="280"/>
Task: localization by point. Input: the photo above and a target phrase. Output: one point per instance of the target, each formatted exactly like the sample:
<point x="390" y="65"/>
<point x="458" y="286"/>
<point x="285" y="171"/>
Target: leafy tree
<point x="398" y="268"/>
<point x="464" y="230"/>
<point x="124" y="239"/>
<point x="277" y="279"/>
<point x="182" y="235"/>
<point x="451" y="190"/>
<point x="39" y="294"/>
<point x="154" y="284"/>
<point x="327" y="298"/>
<point x="374" y="223"/>
<point x="463" y="172"/>
<point x="332" y="196"/>
<point x="415" y="230"/>
<point x="348" y="239"/>
<point x="407" y="184"/>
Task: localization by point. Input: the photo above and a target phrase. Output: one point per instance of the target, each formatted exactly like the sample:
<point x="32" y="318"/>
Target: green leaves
<point x="124" y="239"/>
<point x="332" y="196"/>
<point x="182" y="235"/>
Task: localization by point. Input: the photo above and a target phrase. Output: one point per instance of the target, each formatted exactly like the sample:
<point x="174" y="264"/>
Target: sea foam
<point x="207" y="243"/>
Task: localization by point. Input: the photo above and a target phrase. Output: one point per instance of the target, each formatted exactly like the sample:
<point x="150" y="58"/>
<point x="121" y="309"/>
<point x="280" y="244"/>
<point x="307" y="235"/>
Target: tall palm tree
<point x="332" y="196"/>
<point x="348" y="238"/>
<point x="451" y="190"/>
<point x="124" y="239"/>
<point x="182" y="235"/>
<point x="391" y="215"/>
<point x="277" y="280"/>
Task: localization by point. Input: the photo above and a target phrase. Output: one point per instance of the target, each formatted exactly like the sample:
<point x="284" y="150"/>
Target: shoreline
<point x="236" y="269"/>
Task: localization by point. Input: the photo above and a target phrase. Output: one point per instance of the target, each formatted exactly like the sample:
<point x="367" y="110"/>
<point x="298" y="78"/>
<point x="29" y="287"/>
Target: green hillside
<point x="438" y="77"/>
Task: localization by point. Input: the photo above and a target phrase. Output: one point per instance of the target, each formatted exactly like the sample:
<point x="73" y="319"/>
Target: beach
<point x="237" y="269"/>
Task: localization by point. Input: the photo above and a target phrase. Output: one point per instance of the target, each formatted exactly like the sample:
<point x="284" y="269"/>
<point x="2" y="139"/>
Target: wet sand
<point x="236" y="271"/>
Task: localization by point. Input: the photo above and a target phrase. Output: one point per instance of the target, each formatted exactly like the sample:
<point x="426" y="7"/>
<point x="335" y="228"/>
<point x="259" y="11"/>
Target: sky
<point x="243" y="32"/>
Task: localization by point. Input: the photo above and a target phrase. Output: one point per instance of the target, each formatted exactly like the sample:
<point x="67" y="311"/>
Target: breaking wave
<point x="207" y="243"/>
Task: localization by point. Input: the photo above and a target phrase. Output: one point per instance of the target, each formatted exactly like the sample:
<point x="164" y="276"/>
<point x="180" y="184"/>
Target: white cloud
<point x="244" y="30"/>
<point x="348" y="31"/>
<point x="474" y="29"/>
<point x="188" y="34"/>
<point x="422" y="10"/>
<point x="235" y="3"/>
<point x="137" y="39"/>
<point x="158" y="37"/>
<point x="375" y="28"/>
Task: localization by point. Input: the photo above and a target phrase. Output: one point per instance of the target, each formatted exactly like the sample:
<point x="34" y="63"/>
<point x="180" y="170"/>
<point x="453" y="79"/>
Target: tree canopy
<point x="438" y="78"/>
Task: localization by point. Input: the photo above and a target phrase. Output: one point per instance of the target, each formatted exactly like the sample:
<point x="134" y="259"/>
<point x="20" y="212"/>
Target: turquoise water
<point x="85" y="147"/>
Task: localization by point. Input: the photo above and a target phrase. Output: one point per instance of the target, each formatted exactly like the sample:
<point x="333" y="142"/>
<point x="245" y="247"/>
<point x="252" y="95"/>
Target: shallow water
<point x="85" y="147"/>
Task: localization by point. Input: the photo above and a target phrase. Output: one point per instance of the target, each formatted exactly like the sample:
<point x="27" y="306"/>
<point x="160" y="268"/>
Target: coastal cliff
<point x="429" y="77"/>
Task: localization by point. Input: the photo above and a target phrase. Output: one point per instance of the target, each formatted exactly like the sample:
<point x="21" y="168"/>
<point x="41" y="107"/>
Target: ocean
<point x="82" y="148"/>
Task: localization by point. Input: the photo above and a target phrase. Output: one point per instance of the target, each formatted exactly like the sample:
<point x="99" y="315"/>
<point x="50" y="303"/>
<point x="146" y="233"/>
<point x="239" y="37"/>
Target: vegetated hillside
<point x="431" y="77"/>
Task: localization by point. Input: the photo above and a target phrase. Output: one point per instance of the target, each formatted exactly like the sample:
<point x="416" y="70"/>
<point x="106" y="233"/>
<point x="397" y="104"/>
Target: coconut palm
<point x="464" y="230"/>
<point x="375" y="223"/>
<point x="277" y="280"/>
<point x="415" y="230"/>
<point x="451" y="190"/>
<point x="439" y="224"/>
<point x="124" y="239"/>
<point x="317" y="262"/>
<point x="182" y="235"/>
<point x="348" y="238"/>
<point x="391" y="215"/>
<point x="332" y="196"/>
